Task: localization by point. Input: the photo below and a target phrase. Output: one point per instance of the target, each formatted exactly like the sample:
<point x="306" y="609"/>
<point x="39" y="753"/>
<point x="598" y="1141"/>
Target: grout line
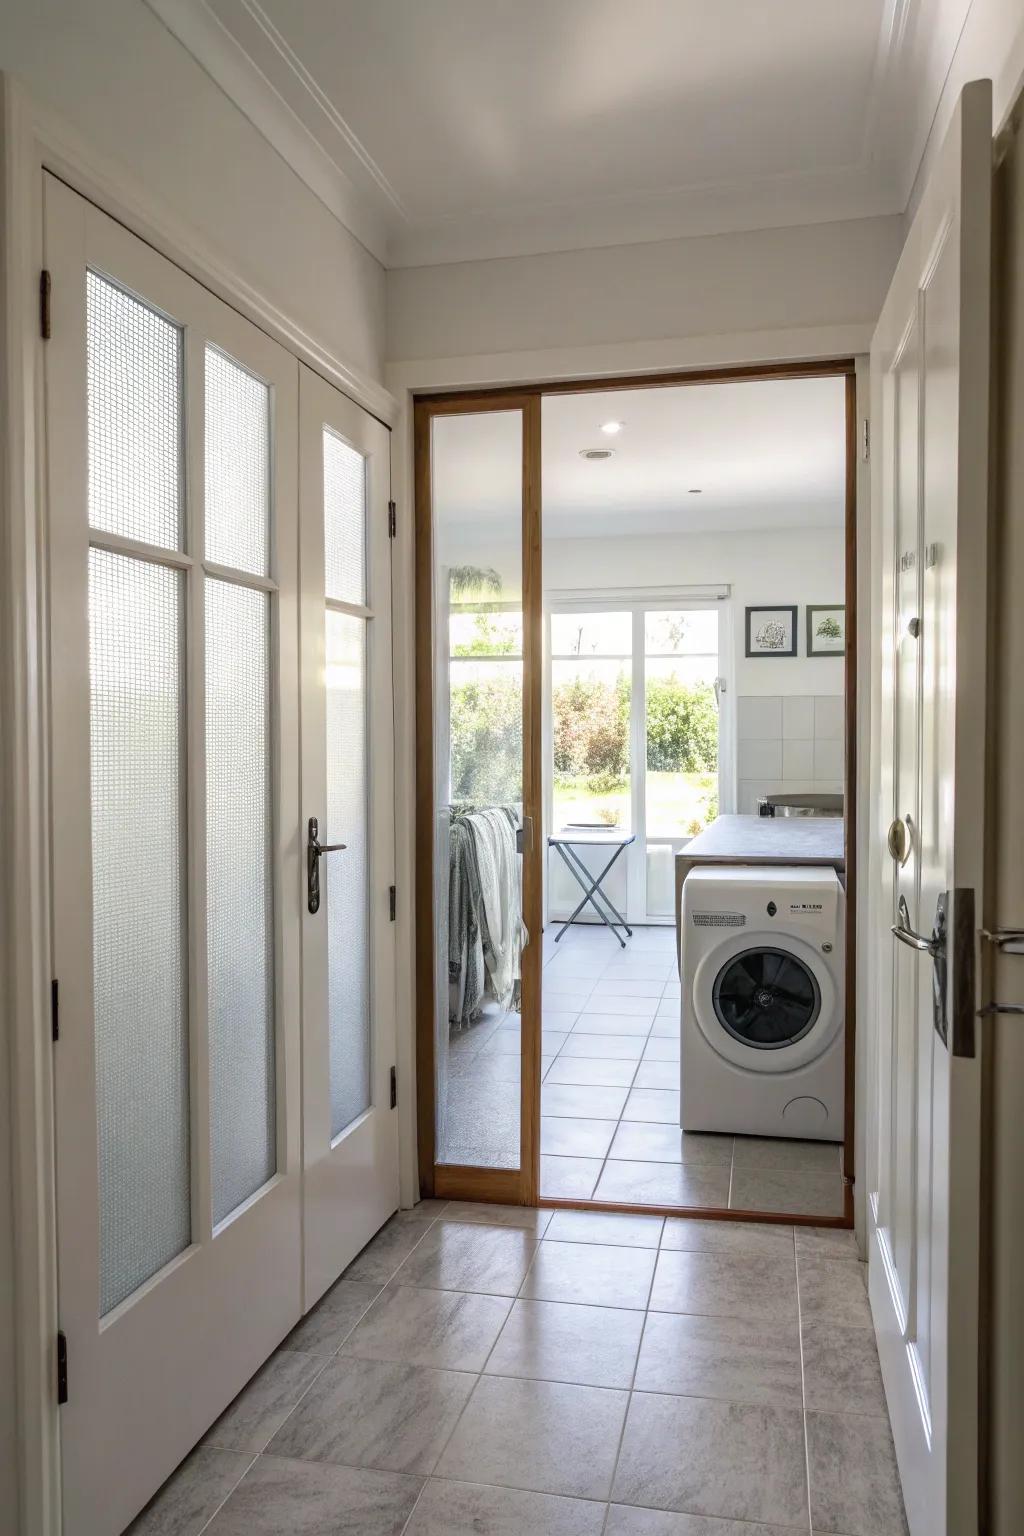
<point x="214" y="1513"/>
<point x="803" y="1380"/>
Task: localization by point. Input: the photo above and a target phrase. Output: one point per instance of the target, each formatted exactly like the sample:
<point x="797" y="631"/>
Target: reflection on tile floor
<point x="561" y="1374"/>
<point x="610" y="1094"/>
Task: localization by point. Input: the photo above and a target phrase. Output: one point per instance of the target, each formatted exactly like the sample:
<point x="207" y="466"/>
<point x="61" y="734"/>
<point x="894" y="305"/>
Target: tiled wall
<point x="788" y="744"/>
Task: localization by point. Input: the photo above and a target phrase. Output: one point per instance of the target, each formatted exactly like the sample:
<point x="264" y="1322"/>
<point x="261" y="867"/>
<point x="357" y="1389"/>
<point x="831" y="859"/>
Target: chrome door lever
<point x="901" y="929"/>
<point x="314" y="851"/>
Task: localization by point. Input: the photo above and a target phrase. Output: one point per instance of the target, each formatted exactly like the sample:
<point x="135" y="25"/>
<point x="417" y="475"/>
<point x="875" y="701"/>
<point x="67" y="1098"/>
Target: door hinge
<point x="392" y="902"/>
<point x="394" y="1089"/>
<point x="392" y="519"/>
<point x="865" y="440"/>
<point x="62" y="1368"/>
<point x="44" y="304"/>
<point x="55" y="1008"/>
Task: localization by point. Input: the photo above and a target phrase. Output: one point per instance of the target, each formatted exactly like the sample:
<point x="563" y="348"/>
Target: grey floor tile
<point x="664" y="1184"/>
<point x="489" y="1215"/>
<point x="855" y="1486"/>
<point x="192" y="1494"/>
<point x="581" y="1103"/>
<point x="688" y="1232"/>
<point x="557" y="1341"/>
<point x="312" y="1499"/>
<point x="558" y="1018"/>
<point x="645" y="1141"/>
<point x="450" y="1330"/>
<point x="619" y="1046"/>
<point x="583" y="1272"/>
<point x="375" y="1413"/>
<point x="841" y="1371"/>
<point x="748" y="1285"/>
<point x="546" y="1436"/>
<point x="390" y="1248"/>
<point x="736" y="1460"/>
<point x="326" y="1326"/>
<point x="610" y="1227"/>
<point x="561" y="1136"/>
<point x="568" y="1178"/>
<point x="795" y="1156"/>
<point x="470" y="1256"/>
<point x="659" y="1104"/>
<point x="826" y="1242"/>
<point x="261" y="1408"/>
<point x="656" y="1074"/>
<point x="620" y="1003"/>
<point x="666" y="1023"/>
<point x="565" y="994"/>
<point x="624" y="1521"/>
<point x="722" y="1357"/>
<point x="833" y="1292"/>
<point x="791" y="1194"/>
<point x="662" y="1048"/>
<point x="587" y="1071"/>
<point x="628" y="986"/>
<point x="466" y="1509"/>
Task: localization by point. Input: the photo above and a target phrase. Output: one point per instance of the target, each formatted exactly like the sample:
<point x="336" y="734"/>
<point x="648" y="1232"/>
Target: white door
<point x="172" y="426"/>
<point x="930" y="369"/>
<point x="350" y="1125"/>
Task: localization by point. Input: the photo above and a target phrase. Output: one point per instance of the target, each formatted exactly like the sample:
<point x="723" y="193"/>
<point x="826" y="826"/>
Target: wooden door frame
<point x="522" y="1186"/>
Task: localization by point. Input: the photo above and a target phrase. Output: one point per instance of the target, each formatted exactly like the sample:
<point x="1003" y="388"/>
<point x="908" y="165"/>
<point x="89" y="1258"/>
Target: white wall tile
<point x="758" y="719"/>
<point x="798" y="759"/>
<point x="828" y="717"/>
<point x="758" y="759"/>
<point x="828" y="760"/>
<point x="798" y="717"/>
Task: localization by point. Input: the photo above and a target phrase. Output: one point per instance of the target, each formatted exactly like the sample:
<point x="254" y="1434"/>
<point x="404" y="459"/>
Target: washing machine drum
<point x="766" y="998"/>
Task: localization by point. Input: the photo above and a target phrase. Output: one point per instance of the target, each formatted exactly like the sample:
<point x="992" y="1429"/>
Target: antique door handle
<point x="314" y="851"/>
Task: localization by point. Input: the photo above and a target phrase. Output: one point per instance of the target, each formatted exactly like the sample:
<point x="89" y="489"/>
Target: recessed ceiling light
<point x="596" y="453"/>
<point x="611" y="427"/>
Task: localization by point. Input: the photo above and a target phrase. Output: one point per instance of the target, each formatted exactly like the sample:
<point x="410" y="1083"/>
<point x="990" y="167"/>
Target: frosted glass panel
<point x="344" y="520"/>
<point x="134" y="392"/>
<point x="139" y="954"/>
<point x="346" y="875"/>
<point x="237" y="466"/>
<point x="239" y="923"/>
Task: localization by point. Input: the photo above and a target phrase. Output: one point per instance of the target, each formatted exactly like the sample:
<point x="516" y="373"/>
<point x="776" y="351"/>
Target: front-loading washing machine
<point x="762" y="963"/>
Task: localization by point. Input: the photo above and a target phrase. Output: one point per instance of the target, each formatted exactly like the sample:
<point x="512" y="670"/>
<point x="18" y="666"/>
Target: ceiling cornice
<point x="238" y="45"/>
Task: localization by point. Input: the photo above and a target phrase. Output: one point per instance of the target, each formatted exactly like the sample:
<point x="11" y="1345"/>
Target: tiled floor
<point x="610" y="1094"/>
<point x="495" y="1371"/>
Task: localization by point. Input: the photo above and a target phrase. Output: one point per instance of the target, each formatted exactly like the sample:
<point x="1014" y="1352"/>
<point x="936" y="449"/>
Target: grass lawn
<point x="677" y="803"/>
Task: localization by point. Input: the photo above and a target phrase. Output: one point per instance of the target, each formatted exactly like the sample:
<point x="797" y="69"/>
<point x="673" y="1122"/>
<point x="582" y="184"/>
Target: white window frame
<point x="638" y="602"/>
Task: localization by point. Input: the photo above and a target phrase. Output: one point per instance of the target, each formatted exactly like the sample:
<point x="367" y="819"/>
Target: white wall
<point x="114" y="73"/>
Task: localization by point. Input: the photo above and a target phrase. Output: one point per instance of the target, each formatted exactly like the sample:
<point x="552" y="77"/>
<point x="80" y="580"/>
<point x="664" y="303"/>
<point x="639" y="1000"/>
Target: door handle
<point x="936" y="948"/>
<point x="315" y="849"/>
<point x="524" y="835"/>
<point x="902" y="930"/>
<point x="900" y="840"/>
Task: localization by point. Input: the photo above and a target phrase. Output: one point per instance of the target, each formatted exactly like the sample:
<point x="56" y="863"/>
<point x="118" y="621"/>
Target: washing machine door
<point x="766" y="1001"/>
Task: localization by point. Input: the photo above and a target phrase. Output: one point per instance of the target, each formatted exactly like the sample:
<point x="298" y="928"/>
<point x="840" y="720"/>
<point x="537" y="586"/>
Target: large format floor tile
<point x="542" y="1435"/>
<point x="659" y="1104"/>
<point x="192" y="1495"/>
<point x="261" y="1408"/>
<point x="796" y="1156"/>
<point x="466" y="1509"/>
<point x="469" y="1256"/>
<point x="390" y="1248"/>
<point x="324" y="1330"/>
<point x="588" y="1072"/>
<point x="581" y="1272"/>
<point x="664" y="1184"/>
<point x="451" y="1330"/>
<point x="788" y="1192"/>
<point x="528" y="1217"/>
<point x="559" y="1341"/>
<point x="841" y="1372"/>
<point x="646" y="1141"/>
<point x="308" y="1499"/>
<point x="375" y="1413"/>
<point x="741" y="1461"/>
<point x="690" y="1233"/>
<point x="724" y="1357"/>
<point x="568" y="1178"/>
<point x="854" y="1483"/>
<point x="746" y="1285"/>
<point x="611" y="1227"/>
<point x="625" y="1521"/>
<point x="834" y="1291"/>
<point x="561" y="1136"/>
<point x="582" y="1103"/>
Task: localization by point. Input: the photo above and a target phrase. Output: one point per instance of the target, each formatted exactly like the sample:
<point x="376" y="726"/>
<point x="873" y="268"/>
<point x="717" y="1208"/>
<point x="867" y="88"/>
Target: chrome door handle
<point x="314" y="851"/>
<point x="902" y="930"/>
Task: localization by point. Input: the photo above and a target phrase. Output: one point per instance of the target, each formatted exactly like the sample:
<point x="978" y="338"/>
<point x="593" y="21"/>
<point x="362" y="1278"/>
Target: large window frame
<point x="638" y="603"/>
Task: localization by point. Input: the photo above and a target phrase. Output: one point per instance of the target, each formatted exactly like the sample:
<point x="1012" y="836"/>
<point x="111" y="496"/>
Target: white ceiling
<point x="441" y="130"/>
<point x="763" y="455"/>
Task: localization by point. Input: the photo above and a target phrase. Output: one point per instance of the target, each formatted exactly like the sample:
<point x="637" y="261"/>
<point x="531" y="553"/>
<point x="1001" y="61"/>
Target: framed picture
<point x="826" y="629"/>
<point x="771" y="631"/>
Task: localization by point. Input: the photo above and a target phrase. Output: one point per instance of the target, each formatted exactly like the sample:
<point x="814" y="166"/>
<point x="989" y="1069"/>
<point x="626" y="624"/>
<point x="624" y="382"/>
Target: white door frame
<point x="33" y="140"/>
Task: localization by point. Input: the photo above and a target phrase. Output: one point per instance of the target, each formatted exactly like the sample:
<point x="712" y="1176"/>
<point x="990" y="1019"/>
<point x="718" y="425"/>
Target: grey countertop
<point x="769" y="840"/>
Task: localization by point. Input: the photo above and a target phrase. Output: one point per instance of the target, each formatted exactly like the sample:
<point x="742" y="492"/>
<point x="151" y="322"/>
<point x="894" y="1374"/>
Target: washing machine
<point x="762" y="966"/>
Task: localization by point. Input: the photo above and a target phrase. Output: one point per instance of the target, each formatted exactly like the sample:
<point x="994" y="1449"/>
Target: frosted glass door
<point x="350" y="1143"/>
<point x="173" y="610"/>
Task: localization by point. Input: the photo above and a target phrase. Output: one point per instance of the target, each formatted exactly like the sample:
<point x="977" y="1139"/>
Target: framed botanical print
<point x="771" y="631"/>
<point x="826" y="629"/>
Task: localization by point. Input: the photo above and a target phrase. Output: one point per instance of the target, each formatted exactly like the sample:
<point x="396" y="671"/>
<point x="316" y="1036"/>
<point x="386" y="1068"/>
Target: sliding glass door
<point x="478" y="731"/>
<point x="635" y="695"/>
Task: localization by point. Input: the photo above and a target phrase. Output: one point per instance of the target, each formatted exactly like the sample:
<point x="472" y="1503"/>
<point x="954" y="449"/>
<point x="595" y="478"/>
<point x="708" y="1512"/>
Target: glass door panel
<point x="478" y="785"/>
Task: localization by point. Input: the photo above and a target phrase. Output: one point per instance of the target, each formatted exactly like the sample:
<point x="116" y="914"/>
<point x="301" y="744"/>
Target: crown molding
<point x="242" y="50"/>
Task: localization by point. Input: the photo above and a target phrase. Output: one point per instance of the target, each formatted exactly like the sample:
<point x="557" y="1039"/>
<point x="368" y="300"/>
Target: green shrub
<point x="682" y="726"/>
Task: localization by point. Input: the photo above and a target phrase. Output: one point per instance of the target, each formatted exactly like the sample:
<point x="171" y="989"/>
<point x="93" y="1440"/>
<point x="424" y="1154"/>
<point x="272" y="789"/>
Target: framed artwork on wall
<point x="826" y="629"/>
<point x="771" y="631"/>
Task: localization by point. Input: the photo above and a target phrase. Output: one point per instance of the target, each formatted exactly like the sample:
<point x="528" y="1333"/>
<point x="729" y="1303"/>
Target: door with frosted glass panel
<point x="350" y="1124"/>
<point x="172" y="426"/>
